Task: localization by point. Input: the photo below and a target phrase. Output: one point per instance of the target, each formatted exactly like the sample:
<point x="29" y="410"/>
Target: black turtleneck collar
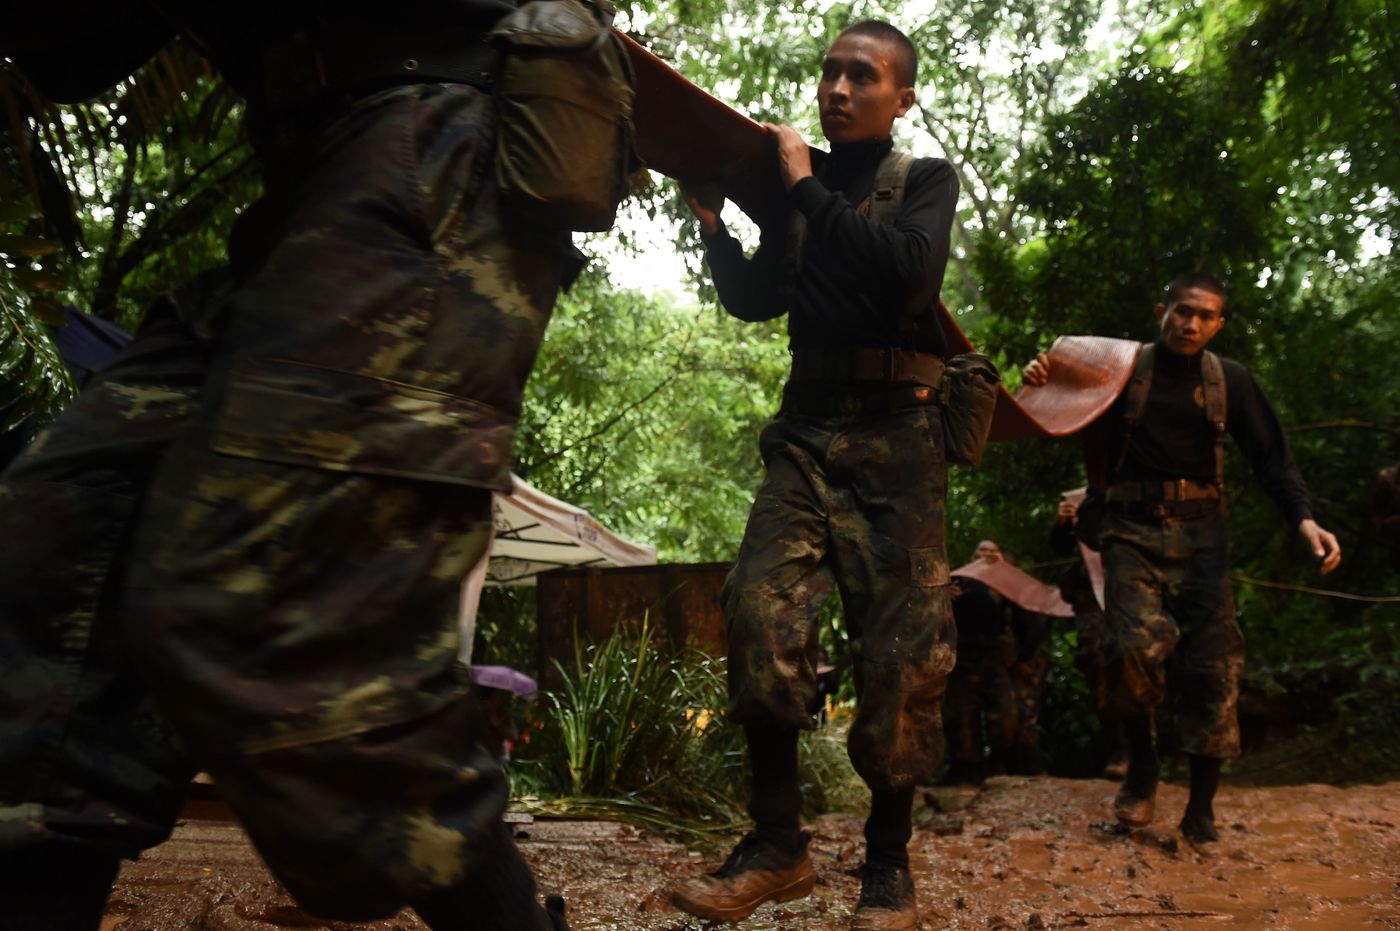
<point x="1170" y="361"/>
<point x="853" y="157"/>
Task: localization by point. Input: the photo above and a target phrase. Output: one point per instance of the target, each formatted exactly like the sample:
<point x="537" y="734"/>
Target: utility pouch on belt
<point x="968" y="396"/>
<point x="1089" y="518"/>
<point x="564" y="97"/>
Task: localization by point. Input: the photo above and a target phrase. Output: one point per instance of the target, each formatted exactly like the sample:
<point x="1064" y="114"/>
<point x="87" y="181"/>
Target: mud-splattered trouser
<point x="1171" y="617"/>
<point x="240" y="550"/>
<point x="1027" y="683"/>
<point x="980" y="707"/>
<point x="854" y="501"/>
<point x="1092" y="645"/>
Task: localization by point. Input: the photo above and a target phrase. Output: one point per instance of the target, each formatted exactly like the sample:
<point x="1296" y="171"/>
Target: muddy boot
<point x="886" y="899"/>
<point x="1133" y="810"/>
<point x="1135" y="803"/>
<point x="1116" y="746"/>
<point x="757" y="871"/>
<point x="1198" y="823"/>
<point x="1198" y="828"/>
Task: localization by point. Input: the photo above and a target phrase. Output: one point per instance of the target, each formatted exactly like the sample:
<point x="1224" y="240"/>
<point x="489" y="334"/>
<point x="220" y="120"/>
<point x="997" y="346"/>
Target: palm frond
<point x="33" y="377"/>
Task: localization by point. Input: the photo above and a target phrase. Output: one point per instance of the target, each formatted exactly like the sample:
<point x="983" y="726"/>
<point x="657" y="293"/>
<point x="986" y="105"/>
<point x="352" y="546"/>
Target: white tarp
<point x="534" y="533"/>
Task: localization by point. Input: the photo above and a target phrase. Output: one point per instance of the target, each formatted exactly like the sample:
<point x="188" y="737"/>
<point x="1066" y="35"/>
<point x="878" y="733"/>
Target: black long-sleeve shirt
<point x="1176" y="440"/>
<point x="982" y="614"/>
<point x="856" y="277"/>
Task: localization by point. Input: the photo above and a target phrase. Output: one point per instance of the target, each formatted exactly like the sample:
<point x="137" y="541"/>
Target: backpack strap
<point x="1216" y="402"/>
<point x="885" y="200"/>
<point x="891" y="176"/>
<point x="1134" y="403"/>
<point x="1140" y="385"/>
<point x="888" y="195"/>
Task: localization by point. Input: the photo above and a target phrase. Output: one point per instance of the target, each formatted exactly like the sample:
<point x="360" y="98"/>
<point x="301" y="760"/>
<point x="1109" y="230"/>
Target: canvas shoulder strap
<point x="1216" y="403"/>
<point x="1134" y="403"/>
<point x="886" y="196"/>
<point x="1140" y="385"/>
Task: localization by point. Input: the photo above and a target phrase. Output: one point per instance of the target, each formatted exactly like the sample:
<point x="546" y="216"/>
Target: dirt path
<point x="1020" y="854"/>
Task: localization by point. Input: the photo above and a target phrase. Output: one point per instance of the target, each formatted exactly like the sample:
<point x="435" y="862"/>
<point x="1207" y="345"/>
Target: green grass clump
<point x="638" y="732"/>
<point x="829" y="781"/>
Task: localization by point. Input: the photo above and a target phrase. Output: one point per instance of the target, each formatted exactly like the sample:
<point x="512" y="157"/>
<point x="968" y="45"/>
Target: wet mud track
<point x="1019" y="854"/>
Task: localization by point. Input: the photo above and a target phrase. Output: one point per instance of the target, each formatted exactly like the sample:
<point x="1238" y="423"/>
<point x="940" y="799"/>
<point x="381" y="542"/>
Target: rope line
<point x="1327" y="593"/>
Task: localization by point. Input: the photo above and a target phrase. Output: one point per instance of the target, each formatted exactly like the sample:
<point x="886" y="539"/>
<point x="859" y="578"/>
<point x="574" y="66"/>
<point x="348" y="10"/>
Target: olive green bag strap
<point x="885" y="199"/>
<point x="1217" y="403"/>
<point x="888" y="194"/>
<point x="1134" y="403"/>
<point x="1212" y="387"/>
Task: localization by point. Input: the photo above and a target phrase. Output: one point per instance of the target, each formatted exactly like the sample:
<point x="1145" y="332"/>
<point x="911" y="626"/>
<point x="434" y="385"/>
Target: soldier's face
<point x="989" y="551"/>
<point x="859" y="95"/>
<point x="1191" y="321"/>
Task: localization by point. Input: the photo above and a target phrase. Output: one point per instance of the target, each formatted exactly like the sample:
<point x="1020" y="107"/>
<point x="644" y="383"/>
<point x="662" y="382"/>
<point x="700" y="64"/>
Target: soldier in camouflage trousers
<point x="1091" y="635"/>
<point x="1027" y="672"/>
<point x="832" y="511"/>
<point x="1168" y="603"/>
<point x="241" y="550"/>
<point x="856" y="480"/>
<point x="979" y="708"/>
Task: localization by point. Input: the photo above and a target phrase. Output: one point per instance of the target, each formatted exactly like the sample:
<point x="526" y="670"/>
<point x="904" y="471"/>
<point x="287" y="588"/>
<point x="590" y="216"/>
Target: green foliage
<point x="139" y="185"/>
<point x="638" y="733"/>
<point x="639" y="723"/>
<point x="829" y="781"/>
<point x="106" y="204"/>
<point x="648" y="415"/>
<point x="1230" y="164"/>
<point x="33" y="379"/>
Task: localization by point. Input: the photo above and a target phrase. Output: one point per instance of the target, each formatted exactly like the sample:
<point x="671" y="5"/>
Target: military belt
<point x="1183" y="489"/>
<point x="1183" y="498"/>
<point x="303" y="71"/>
<point x="800" y="401"/>
<point x="892" y="365"/>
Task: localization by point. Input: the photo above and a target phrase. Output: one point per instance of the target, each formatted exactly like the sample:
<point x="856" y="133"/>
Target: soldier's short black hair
<point x="1203" y="280"/>
<point x="906" y="59"/>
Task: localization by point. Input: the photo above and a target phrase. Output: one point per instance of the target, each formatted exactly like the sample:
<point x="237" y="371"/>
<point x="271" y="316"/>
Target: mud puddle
<point x="1019" y="854"/>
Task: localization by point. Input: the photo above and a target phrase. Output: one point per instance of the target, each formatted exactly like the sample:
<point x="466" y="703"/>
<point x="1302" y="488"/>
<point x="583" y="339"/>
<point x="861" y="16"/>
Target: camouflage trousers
<point x="980" y="707"/>
<point x="853" y="502"/>
<point x="1027" y="682"/>
<point x="1171" y="618"/>
<point x="1091" y="645"/>
<point x="242" y="547"/>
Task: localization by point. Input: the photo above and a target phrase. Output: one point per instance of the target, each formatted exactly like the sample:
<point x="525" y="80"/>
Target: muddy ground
<point x="1019" y="854"/>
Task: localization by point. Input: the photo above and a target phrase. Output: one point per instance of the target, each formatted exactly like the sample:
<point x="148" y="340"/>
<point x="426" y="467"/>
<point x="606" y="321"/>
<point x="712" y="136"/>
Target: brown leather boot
<point x="757" y="871"/>
<point x="1133" y="810"/>
<point x="886" y="899"/>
